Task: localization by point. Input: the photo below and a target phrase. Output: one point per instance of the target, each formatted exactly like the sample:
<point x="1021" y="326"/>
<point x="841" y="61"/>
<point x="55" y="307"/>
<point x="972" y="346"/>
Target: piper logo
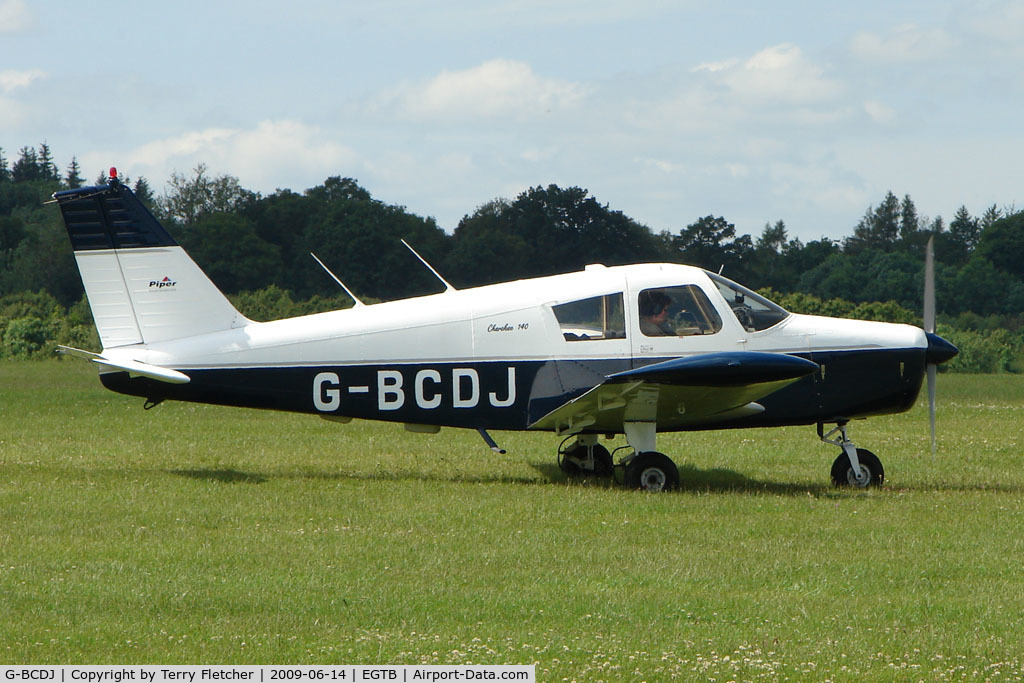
<point x="160" y="284"/>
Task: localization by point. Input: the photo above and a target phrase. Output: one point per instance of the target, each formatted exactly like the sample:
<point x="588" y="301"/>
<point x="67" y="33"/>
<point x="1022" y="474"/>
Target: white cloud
<point x="782" y="74"/>
<point x="498" y="88"/>
<point x="662" y="165"/>
<point x="14" y="16"/>
<point x="778" y="74"/>
<point x="999" y="21"/>
<point x="879" y="112"/>
<point x="730" y="102"/>
<point x="13" y="113"/>
<point x="273" y="154"/>
<point x="12" y="80"/>
<point x="907" y="43"/>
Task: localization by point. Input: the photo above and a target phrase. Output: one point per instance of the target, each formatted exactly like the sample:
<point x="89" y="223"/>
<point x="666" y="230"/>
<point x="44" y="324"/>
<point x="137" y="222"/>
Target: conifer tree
<point x="47" y="169"/>
<point x="74" y="179"/>
<point x="26" y="167"/>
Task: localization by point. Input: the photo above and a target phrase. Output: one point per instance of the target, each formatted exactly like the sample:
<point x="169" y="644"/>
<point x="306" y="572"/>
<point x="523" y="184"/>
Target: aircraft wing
<point x="133" y="367"/>
<point x="681" y="392"/>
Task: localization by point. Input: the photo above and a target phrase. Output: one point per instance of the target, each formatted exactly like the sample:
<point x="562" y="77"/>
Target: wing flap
<point x="679" y="393"/>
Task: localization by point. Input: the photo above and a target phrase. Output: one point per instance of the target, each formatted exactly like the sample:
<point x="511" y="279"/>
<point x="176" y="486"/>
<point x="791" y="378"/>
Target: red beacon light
<point x="113" y="173"/>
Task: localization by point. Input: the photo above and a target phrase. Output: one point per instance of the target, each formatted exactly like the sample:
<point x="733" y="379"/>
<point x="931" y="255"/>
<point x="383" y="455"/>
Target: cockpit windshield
<point x="753" y="311"/>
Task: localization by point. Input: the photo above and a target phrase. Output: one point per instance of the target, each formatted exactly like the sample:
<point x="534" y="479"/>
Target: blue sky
<point x="807" y="112"/>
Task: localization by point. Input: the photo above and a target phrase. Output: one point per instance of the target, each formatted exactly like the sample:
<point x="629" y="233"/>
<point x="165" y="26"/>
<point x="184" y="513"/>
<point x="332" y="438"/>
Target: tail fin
<point x="142" y="286"/>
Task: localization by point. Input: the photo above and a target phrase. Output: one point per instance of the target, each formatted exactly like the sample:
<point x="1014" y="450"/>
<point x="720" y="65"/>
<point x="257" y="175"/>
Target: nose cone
<point x="939" y="350"/>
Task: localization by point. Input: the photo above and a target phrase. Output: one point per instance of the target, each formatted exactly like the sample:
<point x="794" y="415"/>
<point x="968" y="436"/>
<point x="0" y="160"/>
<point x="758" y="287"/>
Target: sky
<point x="801" y="111"/>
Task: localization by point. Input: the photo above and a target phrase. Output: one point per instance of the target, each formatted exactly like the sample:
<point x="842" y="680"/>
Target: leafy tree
<point x="190" y="198"/>
<point x="544" y="231"/>
<point x="337" y="189"/>
<point x="867" y="275"/>
<point x="711" y="243"/>
<point x="1002" y="244"/>
<point x="5" y="173"/>
<point x="230" y="252"/>
<point x="12" y="232"/>
<point x="360" y="239"/>
<point x="282" y="219"/>
<point x="485" y="248"/>
<point x="981" y="287"/>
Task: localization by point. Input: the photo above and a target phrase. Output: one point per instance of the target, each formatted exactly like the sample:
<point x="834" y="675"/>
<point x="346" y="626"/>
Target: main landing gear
<point x="585" y="456"/>
<point x="648" y="470"/>
<point x="854" y="467"/>
<point x="644" y="469"/>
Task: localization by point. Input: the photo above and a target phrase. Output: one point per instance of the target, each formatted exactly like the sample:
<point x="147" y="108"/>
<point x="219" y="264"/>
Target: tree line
<point x="257" y="247"/>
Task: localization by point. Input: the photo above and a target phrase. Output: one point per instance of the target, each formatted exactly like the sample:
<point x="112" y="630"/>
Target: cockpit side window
<point x="753" y="311"/>
<point x="599" y="317"/>
<point x="677" y="312"/>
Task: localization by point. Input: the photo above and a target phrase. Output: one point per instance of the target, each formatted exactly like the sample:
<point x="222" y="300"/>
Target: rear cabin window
<point x="677" y="312"/>
<point x="753" y="311"/>
<point x="599" y="317"/>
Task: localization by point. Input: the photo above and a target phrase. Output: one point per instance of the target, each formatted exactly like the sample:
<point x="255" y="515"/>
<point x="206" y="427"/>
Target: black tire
<point x="651" y="471"/>
<point x="843" y="476"/>
<point x="603" y="466"/>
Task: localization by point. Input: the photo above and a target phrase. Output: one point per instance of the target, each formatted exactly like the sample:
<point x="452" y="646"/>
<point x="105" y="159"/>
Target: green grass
<point x="197" y="534"/>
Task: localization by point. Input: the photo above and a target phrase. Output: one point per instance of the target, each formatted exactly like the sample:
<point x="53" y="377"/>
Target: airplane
<point x="631" y="350"/>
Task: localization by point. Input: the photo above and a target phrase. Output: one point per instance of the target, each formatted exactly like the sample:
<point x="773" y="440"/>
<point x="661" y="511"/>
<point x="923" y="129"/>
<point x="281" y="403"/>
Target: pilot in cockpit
<point x="654" y="307"/>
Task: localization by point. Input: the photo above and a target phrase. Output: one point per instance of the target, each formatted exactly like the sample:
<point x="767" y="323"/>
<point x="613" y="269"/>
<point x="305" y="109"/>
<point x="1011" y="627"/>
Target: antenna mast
<point x="447" y="287"/>
<point x="342" y="284"/>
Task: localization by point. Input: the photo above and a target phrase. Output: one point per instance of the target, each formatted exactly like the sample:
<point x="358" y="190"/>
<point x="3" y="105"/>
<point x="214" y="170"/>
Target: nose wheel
<point x="854" y="467"/>
<point x="869" y="471"/>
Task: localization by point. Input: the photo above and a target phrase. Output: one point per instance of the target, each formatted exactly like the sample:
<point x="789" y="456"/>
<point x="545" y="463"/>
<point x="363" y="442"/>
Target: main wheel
<point x="569" y="461"/>
<point x="872" y="473"/>
<point x="651" y="471"/>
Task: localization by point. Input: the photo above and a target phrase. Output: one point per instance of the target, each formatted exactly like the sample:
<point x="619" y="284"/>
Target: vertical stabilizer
<point x="142" y="286"/>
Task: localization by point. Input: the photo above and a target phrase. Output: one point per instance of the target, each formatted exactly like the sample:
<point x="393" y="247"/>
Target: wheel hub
<point x="652" y="479"/>
<point x="859" y="479"/>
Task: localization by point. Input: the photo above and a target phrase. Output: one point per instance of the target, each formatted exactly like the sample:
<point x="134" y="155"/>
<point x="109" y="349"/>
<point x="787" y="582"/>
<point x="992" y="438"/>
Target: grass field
<point x="194" y="534"/>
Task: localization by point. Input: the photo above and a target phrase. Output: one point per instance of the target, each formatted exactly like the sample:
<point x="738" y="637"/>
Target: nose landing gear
<point x="854" y="467"/>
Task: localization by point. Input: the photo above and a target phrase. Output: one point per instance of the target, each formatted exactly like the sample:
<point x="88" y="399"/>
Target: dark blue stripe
<point x="849" y="384"/>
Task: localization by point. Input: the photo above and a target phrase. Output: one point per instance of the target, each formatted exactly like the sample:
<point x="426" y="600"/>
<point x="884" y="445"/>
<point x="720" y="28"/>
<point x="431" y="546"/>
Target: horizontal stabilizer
<point x="134" y="368"/>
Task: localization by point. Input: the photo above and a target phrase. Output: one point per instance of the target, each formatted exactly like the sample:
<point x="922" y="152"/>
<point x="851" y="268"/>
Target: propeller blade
<point x="932" y="368"/>
<point x="929" y="326"/>
<point x="929" y="286"/>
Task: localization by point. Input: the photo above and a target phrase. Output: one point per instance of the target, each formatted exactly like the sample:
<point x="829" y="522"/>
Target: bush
<point x="274" y="303"/>
<point x="980" y="352"/>
<point x="29" y="337"/>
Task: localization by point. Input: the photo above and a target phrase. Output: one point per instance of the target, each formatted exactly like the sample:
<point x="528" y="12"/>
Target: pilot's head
<point x="652" y="302"/>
